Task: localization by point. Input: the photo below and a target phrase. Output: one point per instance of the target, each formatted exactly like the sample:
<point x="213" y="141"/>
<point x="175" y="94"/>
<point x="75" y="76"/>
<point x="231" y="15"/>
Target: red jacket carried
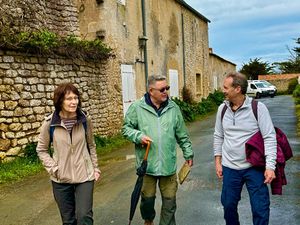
<point x="255" y="154"/>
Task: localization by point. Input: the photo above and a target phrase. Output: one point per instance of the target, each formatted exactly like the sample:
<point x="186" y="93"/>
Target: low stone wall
<point x="27" y="83"/>
<point x="281" y="81"/>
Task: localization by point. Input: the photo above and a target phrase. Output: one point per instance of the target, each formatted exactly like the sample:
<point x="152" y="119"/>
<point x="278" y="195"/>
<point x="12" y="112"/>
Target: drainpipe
<point x="145" y="46"/>
<point x="183" y="49"/>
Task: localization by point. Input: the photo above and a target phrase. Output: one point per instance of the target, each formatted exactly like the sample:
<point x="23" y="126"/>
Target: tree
<point x="292" y="65"/>
<point x="256" y="67"/>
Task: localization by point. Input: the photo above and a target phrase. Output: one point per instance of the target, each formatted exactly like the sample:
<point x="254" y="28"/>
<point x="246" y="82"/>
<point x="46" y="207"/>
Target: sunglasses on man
<point x="162" y="89"/>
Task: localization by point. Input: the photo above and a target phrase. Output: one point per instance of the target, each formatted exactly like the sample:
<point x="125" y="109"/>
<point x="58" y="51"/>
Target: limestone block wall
<point x="121" y="26"/>
<point x="27" y="83"/>
<point x="196" y="54"/>
<point x="281" y="81"/>
<point x="219" y="68"/>
<point x="27" y="15"/>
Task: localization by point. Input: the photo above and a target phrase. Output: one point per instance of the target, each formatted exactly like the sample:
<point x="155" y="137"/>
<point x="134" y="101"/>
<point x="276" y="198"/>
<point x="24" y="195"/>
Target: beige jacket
<point x="71" y="161"/>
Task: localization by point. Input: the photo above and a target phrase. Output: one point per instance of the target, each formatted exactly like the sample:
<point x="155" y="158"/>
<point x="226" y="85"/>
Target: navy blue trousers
<point x="233" y="181"/>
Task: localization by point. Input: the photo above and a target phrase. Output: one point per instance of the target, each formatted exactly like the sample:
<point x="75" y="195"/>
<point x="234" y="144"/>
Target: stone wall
<point x="219" y="68"/>
<point x="281" y="81"/>
<point x="121" y="26"/>
<point x="60" y="17"/>
<point x="26" y="90"/>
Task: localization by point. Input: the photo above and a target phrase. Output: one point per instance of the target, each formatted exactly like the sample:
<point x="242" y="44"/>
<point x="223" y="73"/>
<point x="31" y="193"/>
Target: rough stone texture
<point x="219" y="68"/>
<point x="174" y="33"/>
<point x="24" y="106"/>
<point x="281" y="81"/>
<point x="24" y="15"/>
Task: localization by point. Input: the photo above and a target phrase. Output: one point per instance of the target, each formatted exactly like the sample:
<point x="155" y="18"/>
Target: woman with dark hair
<point x="73" y="166"/>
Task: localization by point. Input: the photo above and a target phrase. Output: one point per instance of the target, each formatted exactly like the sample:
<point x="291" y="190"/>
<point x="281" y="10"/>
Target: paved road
<point x="31" y="202"/>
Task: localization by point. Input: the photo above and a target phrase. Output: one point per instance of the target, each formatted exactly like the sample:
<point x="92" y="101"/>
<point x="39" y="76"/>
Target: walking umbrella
<point x="135" y="196"/>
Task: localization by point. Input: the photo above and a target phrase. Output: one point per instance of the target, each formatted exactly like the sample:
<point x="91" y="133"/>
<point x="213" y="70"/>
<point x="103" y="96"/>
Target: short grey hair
<point x="154" y="78"/>
<point x="239" y="79"/>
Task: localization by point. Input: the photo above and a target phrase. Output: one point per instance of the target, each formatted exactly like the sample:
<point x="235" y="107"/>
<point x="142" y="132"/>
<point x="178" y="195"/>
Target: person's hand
<point x="269" y="176"/>
<point x="190" y="162"/>
<point x="97" y="175"/>
<point x="145" y="139"/>
<point x="218" y="165"/>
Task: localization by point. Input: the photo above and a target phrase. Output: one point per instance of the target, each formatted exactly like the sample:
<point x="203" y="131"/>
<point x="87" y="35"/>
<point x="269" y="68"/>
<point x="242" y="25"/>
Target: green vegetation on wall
<point x="47" y="43"/>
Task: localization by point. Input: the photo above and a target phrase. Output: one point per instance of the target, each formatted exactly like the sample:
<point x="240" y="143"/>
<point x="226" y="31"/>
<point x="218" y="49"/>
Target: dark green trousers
<point x="168" y="187"/>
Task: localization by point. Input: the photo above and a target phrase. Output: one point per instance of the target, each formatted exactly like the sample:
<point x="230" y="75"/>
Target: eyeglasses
<point x="162" y="89"/>
<point x="69" y="99"/>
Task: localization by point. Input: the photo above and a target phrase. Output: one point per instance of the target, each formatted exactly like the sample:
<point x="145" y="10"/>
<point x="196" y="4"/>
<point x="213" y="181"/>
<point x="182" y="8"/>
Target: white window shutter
<point x="173" y="80"/>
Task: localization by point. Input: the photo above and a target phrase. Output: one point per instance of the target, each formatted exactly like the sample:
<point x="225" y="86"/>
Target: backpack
<point x="52" y="128"/>
<point x="281" y="138"/>
<point x="282" y="141"/>
<point x="284" y="152"/>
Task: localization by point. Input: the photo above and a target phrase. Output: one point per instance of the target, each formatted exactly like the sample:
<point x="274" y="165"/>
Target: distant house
<point x="219" y="68"/>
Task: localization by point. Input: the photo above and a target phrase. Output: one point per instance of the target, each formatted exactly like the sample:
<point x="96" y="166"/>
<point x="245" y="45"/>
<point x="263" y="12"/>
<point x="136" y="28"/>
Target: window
<point x="199" y="89"/>
<point x="216" y="83"/>
<point x="173" y="81"/>
<point x="123" y="2"/>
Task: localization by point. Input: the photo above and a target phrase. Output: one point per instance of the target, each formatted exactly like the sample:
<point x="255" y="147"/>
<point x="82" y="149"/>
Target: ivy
<point x="44" y="42"/>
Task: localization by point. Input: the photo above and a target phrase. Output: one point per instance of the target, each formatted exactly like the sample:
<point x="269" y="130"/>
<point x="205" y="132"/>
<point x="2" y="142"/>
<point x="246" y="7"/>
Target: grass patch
<point x="106" y="145"/>
<point x="18" y="169"/>
<point x="23" y="167"/>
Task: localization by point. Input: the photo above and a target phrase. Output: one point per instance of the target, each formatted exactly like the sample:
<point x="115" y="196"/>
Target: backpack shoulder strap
<point x="51" y="131"/>
<point x="52" y="128"/>
<point x="84" y="123"/>
<point x="223" y="112"/>
<point x="254" y="108"/>
<point x="253" y="105"/>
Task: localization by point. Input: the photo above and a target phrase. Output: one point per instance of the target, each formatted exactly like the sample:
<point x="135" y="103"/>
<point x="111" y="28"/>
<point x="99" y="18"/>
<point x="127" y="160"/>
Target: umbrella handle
<point x="147" y="151"/>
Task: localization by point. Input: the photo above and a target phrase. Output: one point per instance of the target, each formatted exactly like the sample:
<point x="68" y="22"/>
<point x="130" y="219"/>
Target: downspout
<point x="183" y="50"/>
<point x="145" y="47"/>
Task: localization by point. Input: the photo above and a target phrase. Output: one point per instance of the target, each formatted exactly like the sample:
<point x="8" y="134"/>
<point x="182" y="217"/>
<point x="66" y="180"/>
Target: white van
<point x="258" y="89"/>
<point x="268" y="84"/>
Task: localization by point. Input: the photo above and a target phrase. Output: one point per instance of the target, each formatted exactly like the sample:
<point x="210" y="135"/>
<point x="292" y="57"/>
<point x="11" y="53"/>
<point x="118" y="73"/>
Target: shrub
<point x="191" y="111"/>
<point x="188" y="111"/>
<point x="187" y="95"/>
<point x="47" y="43"/>
<point x="296" y="92"/>
<point x="292" y="85"/>
<point x="30" y="152"/>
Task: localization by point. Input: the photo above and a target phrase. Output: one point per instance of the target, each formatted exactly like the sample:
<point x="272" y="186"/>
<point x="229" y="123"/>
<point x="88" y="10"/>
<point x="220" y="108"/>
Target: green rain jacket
<point x="165" y="131"/>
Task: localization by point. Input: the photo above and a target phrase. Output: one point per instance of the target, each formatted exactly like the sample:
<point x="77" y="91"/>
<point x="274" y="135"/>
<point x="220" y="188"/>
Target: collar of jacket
<point x="143" y="104"/>
<point x="162" y="105"/>
<point x="56" y="120"/>
<point x="247" y="103"/>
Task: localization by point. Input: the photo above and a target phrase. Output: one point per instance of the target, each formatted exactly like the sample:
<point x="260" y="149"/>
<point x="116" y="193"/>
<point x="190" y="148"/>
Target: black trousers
<point x="75" y="202"/>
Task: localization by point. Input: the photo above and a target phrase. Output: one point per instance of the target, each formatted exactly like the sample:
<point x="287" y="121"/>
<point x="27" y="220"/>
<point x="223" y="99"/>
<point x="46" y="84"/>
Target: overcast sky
<point x="244" y="30"/>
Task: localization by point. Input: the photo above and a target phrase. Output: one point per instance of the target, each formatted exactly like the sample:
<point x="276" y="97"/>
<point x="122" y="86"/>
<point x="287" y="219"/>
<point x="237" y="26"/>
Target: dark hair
<point x="239" y="79"/>
<point x="60" y="92"/>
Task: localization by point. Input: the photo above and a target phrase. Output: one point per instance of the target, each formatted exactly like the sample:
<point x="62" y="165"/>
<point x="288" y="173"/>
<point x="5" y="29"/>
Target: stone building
<point x="147" y="37"/>
<point x="152" y="37"/>
<point x="219" y="68"/>
<point x="27" y="81"/>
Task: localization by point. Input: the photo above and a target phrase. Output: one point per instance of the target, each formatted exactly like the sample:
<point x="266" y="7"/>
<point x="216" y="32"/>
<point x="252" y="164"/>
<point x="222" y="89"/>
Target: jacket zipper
<point x="72" y="155"/>
<point x="159" y="144"/>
